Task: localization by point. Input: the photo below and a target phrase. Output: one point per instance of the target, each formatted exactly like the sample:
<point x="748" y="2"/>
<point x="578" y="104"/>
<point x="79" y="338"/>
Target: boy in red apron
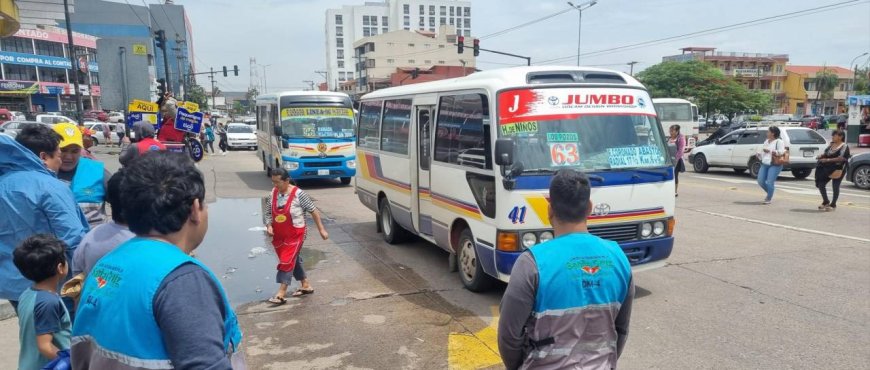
<point x="285" y="222"/>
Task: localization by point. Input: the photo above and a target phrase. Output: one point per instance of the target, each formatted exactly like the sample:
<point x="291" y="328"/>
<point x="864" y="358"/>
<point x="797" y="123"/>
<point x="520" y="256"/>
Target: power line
<point x="754" y="22"/>
<point x="137" y="15"/>
<point x="504" y="31"/>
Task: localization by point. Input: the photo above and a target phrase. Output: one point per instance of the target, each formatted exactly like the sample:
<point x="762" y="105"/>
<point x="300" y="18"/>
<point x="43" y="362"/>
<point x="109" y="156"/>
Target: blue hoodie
<point x="32" y="201"/>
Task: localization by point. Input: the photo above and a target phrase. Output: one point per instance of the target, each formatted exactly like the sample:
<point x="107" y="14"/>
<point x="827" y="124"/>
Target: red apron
<point x="287" y="239"/>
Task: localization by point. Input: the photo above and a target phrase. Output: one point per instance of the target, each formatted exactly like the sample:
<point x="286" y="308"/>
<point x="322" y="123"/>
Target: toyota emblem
<point x="601" y="209"/>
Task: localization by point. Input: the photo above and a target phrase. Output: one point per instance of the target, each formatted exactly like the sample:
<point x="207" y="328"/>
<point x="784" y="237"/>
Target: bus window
<point x="423" y="119"/>
<point x="396" y="127"/>
<point x="369" y="124"/>
<point x="459" y="135"/>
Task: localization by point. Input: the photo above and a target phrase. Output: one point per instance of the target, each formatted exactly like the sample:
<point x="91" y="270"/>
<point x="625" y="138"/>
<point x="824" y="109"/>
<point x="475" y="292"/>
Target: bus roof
<point x="275" y="96"/>
<point x="670" y="100"/>
<point x="498" y="79"/>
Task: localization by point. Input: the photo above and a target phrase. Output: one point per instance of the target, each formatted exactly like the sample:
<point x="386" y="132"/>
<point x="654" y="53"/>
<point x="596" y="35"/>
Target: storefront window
<point x="17" y="45"/>
<point x="19" y="73"/>
<point x="47" y="74"/>
<point x="52" y="49"/>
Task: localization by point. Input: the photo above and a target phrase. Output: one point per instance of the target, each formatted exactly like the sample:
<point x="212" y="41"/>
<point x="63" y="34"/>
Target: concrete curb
<point x="6" y="311"/>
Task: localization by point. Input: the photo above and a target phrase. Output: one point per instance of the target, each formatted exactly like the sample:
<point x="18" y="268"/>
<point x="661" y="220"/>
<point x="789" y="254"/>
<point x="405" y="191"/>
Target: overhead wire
<point x="137" y="15"/>
<point x="504" y="31"/>
<point x="709" y="31"/>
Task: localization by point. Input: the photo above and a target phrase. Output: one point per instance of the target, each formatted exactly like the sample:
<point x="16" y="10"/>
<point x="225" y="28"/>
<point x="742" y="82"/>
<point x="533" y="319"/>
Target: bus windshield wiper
<point x="550" y="171"/>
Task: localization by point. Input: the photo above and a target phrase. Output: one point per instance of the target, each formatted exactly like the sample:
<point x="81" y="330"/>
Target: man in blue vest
<point x="87" y="177"/>
<point x="148" y="304"/>
<point x="568" y="303"/>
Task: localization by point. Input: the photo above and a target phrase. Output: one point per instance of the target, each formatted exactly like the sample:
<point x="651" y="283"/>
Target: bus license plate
<point x="322" y="172"/>
<point x="808" y="153"/>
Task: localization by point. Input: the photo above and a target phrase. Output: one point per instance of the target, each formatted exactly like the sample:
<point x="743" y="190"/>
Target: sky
<point x="289" y="35"/>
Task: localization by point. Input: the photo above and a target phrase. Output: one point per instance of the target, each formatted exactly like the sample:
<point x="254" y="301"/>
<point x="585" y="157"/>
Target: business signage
<point x="140" y="49"/>
<point x="58" y="35"/>
<point x="187" y="121"/>
<point x="749" y="72"/>
<point x="18" y="87"/>
<point x="40" y="61"/>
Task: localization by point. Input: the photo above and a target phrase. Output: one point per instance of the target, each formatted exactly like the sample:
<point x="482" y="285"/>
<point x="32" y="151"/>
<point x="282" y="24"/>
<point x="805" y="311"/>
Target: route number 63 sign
<point x="564" y="154"/>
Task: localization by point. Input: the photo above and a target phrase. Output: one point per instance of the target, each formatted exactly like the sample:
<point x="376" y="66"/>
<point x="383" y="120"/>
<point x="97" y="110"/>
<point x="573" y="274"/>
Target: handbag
<point x="780" y="160"/>
<point x="836" y="175"/>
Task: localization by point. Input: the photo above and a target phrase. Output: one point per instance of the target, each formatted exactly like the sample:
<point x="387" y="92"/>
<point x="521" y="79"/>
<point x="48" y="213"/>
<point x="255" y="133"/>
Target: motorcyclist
<point x="143" y="141"/>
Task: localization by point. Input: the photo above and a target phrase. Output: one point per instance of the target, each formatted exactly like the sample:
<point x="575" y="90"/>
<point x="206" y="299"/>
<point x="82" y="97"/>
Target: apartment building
<point x="804" y="96"/>
<point x="347" y="25"/>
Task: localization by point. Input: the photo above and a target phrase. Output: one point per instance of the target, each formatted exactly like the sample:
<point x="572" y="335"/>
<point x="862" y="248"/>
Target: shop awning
<point x="9" y="19"/>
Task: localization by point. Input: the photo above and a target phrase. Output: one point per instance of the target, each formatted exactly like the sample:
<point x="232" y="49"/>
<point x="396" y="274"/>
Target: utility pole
<point x="631" y="70"/>
<point x="265" y="87"/>
<point x="325" y="76"/>
<point x="122" y="56"/>
<point x="310" y="84"/>
<point x="580" y="8"/>
<point x="211" y="78"/>
<point x="178" y="63"/>
<point x="74" y="63"/>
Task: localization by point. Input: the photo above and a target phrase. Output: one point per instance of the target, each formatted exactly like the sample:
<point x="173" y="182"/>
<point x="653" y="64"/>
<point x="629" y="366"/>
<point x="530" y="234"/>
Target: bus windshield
<point x="674" y="111"/>
<point x="589" y="143"/>
<point x="317" y="122"/>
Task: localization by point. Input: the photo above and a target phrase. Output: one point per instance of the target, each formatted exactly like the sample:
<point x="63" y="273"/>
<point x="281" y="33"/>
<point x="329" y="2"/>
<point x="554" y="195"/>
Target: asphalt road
<point x="781" y="286"/>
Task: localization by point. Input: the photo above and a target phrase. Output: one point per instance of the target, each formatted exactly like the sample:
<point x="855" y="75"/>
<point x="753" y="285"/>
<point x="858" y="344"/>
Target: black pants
<point x="223" y="144"/>
<point x="822" y="184"/>
<point x="209" y="144"/>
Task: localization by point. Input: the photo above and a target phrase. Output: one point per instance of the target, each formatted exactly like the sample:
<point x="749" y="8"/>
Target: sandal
<point x="301" y="292"/>
<point x="276" y="300"/>
<point x="823" y="206"/>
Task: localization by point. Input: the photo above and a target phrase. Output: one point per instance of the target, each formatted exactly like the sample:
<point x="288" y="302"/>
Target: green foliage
<point x="196" y="94"/>
<point x="704" y="84"/>
<point x="862" y="82"/>
<point x="826" y="82"/>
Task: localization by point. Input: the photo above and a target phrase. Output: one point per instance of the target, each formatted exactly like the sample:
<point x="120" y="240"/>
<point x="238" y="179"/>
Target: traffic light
<point x="415" y="73"/>
<point x="460" y="44"/>
<point x="160" y="39"/>
<point x="225" y="71"/>
<point x="161" y="87"/>
<point x="236" y="70"/>
<point x="476" y="47"/>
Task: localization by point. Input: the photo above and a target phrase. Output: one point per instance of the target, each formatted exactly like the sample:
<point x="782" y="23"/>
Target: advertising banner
<point x="18" y="87"/>
<point x="40" y="61"/>
<point x="187" y="121"/>
<point x="529" y="105"/>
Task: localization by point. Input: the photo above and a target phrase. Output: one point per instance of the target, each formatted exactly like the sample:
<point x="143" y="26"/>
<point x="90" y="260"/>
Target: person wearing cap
<point x="87" y="177"/>
<point x="143" y="141"/>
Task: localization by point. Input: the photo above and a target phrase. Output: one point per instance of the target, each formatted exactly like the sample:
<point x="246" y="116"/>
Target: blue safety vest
<point x="88" y="181"/>
<point x="582" y="282"/>
<point x="115" y="323"/>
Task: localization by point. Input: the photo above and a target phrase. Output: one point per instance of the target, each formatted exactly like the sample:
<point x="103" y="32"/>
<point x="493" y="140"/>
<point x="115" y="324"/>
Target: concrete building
<point x="802" y="92"/>
<point x="343" y="27"/>
<point x="126" y="47"/>
<point x="380" y="56"/>
<point x="36" y="74"/>
<point x="757" y="71"/>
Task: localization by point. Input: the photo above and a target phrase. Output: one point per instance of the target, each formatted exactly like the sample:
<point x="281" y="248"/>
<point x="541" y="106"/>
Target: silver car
<point x="12" y="128"/>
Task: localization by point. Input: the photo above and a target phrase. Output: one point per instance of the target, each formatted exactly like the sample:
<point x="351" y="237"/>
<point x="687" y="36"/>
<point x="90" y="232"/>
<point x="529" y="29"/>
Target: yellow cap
<point x="70" y="133"/>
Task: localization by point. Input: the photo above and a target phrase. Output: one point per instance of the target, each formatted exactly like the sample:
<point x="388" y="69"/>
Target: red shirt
<point x="168" y="133"/>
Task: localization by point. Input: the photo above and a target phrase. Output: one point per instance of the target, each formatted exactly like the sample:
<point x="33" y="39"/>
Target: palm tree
<point x="826" y="82"/>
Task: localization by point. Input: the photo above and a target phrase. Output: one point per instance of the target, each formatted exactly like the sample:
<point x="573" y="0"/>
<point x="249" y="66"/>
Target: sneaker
<point x="765" y="202"/>
<point x="224" y="153"/>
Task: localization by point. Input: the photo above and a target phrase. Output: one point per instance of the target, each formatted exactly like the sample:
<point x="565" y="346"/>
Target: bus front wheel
<point x="345" y="180"/>
<point x="470" y="271"/>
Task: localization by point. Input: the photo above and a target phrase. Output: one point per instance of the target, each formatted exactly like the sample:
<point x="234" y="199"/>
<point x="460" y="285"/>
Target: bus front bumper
<point x="326" y="168"/>
<point x="642" y="254"/>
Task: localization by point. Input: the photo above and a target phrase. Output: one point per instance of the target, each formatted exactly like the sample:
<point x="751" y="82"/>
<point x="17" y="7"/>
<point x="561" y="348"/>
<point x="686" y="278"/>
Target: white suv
<point x="737" y="150"/>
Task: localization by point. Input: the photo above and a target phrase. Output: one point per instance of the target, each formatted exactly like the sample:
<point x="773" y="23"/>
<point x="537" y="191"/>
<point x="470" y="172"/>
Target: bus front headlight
<point x="646" y="230"/>
<point x="351" y="163"/>
<point x="529" y="240"/>
<point x="658" y="228"/>
<point x="546" y="236"/>
<point x="291" y="166"/>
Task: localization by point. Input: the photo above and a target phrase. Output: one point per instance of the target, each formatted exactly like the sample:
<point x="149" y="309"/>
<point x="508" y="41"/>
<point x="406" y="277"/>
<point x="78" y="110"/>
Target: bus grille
<point x="617" y="233"/>
<point x="322" y="164"/>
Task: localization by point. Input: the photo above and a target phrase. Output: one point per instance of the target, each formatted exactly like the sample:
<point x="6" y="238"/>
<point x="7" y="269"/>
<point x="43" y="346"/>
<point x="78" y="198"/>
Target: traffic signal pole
<point x="166" y="63"/>
<point x="460" y="47"/>
<point x="74" y="63"/>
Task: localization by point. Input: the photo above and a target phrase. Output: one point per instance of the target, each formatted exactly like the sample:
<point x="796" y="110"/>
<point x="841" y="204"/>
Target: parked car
<point x="18" y="116"/>
<point x="778" y="117"/>
<point x="811" y="122"/>
<point x="92" y="114"/>
<point x="51" y="118"/>
<point x="736" y="150"/>
<point x="117" y="117"/>
<point x="240" y="135"/>
<point x="859" y="170"/>
<point x="97" y="130"/>
<point x="12" y="128"/>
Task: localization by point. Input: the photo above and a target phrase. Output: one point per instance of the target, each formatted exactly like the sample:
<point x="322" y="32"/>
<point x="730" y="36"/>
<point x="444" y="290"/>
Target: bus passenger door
<point x="424" y="158"/>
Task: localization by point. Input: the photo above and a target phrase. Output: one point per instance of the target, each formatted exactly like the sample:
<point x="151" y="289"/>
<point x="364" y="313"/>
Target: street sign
<point x="140" y="49"/>
<point x="189" y="105"/>
<point x="143" y="107"/>
<point x="187" y="121"/>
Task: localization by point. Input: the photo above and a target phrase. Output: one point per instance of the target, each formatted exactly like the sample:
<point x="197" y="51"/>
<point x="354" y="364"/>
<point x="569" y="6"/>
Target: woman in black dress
<point x="832" y="166"/>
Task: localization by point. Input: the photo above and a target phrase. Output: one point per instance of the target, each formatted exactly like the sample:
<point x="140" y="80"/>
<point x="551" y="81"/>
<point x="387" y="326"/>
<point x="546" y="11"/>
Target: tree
<point x="196" y="94"/>
<point x="251" y="96"/>
<point x="862" y="81"/>
<point x="705" y="84"/>
<point x="826" y="82"/>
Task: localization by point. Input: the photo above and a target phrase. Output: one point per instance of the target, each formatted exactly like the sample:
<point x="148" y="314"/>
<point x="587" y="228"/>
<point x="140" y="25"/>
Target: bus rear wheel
<point x="470" y="271"/>
<point x="393" y="232"/>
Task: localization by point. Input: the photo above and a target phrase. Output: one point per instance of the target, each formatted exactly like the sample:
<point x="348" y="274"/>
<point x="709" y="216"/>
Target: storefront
<point x="858" y="124"/>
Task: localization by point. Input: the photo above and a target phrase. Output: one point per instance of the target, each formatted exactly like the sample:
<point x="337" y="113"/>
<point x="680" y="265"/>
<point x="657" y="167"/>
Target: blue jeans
<point x="767" y="178"/>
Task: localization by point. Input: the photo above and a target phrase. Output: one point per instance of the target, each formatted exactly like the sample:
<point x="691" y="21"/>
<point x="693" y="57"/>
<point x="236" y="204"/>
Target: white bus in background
<point x="681" y="112"/>
<point x="466" y="163"/>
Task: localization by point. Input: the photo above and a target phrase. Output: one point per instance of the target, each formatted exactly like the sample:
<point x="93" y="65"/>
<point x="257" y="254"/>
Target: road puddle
<point x="240" y="253"/>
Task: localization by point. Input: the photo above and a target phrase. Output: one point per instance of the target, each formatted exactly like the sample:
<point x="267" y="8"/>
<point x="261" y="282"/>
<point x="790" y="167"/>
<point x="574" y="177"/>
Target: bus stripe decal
<point x="456" y="205"/>
<point x="372" y="171"/>
<point x="540" y="203"/>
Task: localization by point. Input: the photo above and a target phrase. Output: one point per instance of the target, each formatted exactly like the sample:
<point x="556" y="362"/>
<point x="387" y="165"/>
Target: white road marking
<point x="786" y="187"/>
<point x="787" y="227"/>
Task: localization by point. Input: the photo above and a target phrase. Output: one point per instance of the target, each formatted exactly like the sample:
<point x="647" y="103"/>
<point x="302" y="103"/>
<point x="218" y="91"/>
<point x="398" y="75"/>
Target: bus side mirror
<point x="504" y="151"/>
<point x="277" y="130"/>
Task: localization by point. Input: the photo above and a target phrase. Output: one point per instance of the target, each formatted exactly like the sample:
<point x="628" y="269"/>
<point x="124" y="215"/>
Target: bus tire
<point x="392" y="231"/>
<point x="345" y="180"/>
<point x="470" y="271"/>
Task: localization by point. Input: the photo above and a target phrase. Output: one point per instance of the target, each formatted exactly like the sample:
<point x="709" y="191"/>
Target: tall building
<point x="36" y="74"/>
<point x="381" y="56"/>
<point x="343" y="27"/>
<point x="757" y="71"/>
<point x="126" y="47"/>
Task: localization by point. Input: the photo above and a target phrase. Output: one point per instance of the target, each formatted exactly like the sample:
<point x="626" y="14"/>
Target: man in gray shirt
<point x="104" y="238"/>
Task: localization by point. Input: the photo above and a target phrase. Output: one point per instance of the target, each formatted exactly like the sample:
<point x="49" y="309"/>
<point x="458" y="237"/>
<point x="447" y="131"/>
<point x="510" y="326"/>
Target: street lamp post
<point x="580" y="8"/>
<point x="855" y="70"/>
<point x="265" y="87"/>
